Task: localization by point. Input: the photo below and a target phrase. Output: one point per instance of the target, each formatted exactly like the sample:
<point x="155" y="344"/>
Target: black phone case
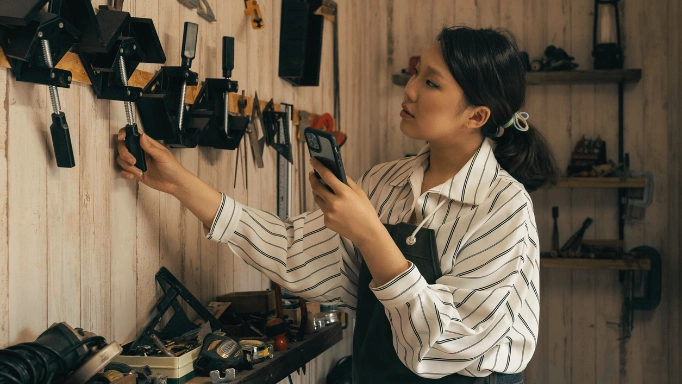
<point x="326" y="151"/>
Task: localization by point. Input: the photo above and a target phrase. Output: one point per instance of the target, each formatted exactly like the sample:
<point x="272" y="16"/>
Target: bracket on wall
<point x="34" y="40"/>
<point x="24" y="27"/>
<point x="214" y="125"/>
<point x="109" y="36"/>
<point x="653" y="288"/>
<point x="162" y="107"/>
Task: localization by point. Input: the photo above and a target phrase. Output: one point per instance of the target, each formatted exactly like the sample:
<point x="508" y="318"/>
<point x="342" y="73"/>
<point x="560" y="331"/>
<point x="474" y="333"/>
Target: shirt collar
<point x="470" y="185"/>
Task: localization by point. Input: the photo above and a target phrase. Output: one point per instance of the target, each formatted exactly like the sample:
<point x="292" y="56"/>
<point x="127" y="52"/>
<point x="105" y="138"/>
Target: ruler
<point x="284" y="190"/>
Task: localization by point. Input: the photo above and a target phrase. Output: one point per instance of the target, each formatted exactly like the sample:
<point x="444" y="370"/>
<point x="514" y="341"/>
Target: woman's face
<point x="434" y="107"/>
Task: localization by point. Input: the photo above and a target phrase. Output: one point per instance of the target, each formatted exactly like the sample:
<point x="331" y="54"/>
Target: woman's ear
<point x="478" y="116"/>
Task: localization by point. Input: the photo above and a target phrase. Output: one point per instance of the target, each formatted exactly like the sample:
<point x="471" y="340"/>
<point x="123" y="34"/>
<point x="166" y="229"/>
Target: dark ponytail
<point x="487" y="65"/>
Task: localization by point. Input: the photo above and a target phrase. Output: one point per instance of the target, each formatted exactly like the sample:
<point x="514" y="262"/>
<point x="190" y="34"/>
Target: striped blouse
<point x="480" y="317"/>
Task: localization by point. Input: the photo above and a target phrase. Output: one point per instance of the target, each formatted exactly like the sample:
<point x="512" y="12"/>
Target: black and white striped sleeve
<point x="300" y="254"/>
<point x="449" y="326"/>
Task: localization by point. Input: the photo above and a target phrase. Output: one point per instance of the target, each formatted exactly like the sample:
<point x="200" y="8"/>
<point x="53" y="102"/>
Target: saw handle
<point x="133" y="145"/>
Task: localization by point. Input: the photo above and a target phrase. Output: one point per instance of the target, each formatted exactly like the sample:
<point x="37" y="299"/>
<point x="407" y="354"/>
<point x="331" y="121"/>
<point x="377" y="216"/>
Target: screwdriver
<point x="61" y="139"/>
<point x="132" y="134"/>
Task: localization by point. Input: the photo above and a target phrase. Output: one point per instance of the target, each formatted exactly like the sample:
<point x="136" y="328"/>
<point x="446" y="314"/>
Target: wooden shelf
<point x="584" y="77"/>
<point x="625" y="264"/>
<point x="612" y="76"/>
<point x="286" y="362"/>
<point x="601" y="182"/>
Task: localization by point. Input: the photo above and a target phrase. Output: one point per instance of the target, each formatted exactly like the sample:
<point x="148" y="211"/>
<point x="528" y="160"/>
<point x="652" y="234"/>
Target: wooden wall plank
<point x="27" y="141"/>
<point x="147" y="229"/>
<point x="63" y="207"/>
<point x="5" y="79"/>
<point x="654" y="157"/>
<point x="95" y="230"/>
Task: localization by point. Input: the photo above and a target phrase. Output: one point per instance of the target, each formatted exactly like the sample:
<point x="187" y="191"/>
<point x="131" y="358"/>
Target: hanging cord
<point x="412" y="239"/>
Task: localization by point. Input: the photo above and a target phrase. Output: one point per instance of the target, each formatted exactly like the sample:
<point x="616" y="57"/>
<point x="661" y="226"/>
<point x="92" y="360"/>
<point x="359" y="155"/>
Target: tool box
<point x="178" y="369"/>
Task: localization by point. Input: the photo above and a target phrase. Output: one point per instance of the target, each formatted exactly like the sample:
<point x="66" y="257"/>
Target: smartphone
<point x="323" y="147"/>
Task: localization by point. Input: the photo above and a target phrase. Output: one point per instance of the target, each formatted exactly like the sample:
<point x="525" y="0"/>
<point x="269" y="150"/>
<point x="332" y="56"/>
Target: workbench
<point x="284" y="363"/>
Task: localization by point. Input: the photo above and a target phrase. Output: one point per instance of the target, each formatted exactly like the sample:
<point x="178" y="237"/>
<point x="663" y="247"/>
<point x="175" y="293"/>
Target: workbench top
<point x="286" y="362"/>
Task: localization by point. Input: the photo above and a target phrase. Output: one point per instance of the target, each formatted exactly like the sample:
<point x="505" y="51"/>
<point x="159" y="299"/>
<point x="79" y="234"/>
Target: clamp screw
<point x="61" y="25"/>
<point x="52" y="75"/>
<point x="121" y="50"/>
<point x="128" y="92"/>
<point x="69" y="79"/>
<point x="134" y="47"/>
<point x="40" y="34"/>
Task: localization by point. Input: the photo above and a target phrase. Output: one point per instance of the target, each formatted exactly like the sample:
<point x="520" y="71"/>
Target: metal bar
<point x="181" y="110"/>
<point x="130" y="116"/>
<point x="54" y="95"/>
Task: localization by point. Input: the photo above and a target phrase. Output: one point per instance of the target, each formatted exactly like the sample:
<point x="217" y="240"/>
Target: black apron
<point x="374" y="359"/>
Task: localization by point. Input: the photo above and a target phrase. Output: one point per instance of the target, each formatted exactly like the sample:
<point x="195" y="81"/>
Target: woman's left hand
<point x="347" y="210"/>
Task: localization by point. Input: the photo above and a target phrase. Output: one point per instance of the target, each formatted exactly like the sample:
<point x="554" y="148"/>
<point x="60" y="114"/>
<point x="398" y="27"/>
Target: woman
<point x="438" y="253"/>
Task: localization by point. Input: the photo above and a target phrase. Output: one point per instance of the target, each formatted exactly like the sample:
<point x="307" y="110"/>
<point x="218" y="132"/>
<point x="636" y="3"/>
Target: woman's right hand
<point x="164" y="172"/>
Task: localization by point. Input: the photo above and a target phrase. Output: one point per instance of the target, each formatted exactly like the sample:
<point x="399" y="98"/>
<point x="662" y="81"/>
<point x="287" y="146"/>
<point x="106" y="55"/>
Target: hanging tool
<point x="112" y="45"/>
<point x="189" y="51"/>
<point x="277" y="132"/>
<point x="326" y="123"/>
<point x="162" y="108"/>
<point x="207" y="13"/>
<point x="211" y="124"/>
<point x="303" y="122"/>
<point x="241" y="105"/>
<point x="257" y="144"/>
<point x="284" y="162"/>
<point x="61" y="139"/>
<point x="252" y="9"/>
<point x="132" y="139"/>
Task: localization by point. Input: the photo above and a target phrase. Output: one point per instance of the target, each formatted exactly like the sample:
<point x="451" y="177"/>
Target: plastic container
<point x="179" y="370"/>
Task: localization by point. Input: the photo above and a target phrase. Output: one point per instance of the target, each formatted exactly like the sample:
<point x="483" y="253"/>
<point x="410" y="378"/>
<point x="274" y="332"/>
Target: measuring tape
<point x="259" y="350"/>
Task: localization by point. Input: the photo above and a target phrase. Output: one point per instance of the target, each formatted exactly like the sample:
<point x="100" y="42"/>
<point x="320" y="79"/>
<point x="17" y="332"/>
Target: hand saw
<point x="252" y="131"/>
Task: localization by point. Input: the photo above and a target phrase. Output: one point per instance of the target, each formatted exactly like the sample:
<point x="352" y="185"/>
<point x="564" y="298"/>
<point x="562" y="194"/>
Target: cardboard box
<point x="250" y="302"/>
<point x="178" y="369"/>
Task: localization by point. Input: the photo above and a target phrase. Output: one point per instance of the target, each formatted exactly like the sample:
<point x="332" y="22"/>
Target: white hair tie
<point x="519" y="120"/>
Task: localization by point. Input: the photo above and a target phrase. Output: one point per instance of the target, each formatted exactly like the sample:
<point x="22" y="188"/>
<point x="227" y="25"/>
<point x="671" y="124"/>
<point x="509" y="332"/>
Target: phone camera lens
<point x="312" y="141"/>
